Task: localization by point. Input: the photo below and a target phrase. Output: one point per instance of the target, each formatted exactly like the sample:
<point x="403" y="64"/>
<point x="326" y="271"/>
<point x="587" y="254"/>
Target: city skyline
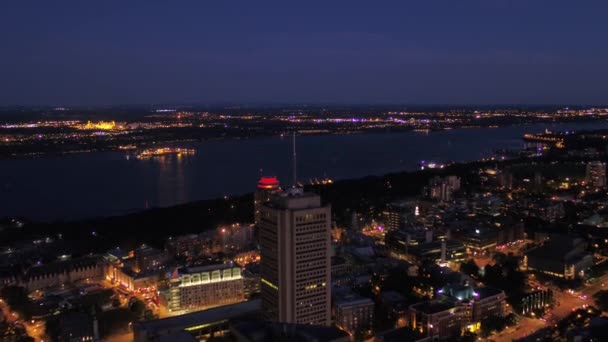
<point x="338" y="171"/>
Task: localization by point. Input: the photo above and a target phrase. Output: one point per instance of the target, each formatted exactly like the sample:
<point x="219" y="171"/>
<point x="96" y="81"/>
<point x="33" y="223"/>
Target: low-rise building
<point x="398" y="215"/>
<point x="129" y="279"/>
<point x="76" y="326"/>
<point x="61" y="272"/>
<point x="202" y="324"/>
<point x="339" y="266"/>
<point x="480" y="240"/>
<point x="204" y="287"/>
<point x="561" y="256"/>
<point x="484" y="301"/>
<point x="488" y="301"/>
<point x="400" y="246"/>
<point x="255" y="331"/>
<point x="439" y="318"/>
<point x="236" y="237"/>
<point x="251" y="282"/>
<point x="353" y="313"/>
<point x="395" y="304"/>
<point x="150" y="259"/>
<point x="189" y="246"/>
<point x="456" y="308"/>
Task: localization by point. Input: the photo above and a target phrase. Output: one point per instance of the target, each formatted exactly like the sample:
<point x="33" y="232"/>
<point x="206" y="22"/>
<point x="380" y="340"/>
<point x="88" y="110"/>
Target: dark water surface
<point x="107" y="183"/>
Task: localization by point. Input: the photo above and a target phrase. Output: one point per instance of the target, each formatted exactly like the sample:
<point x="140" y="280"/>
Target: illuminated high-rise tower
<point x="296" y="265"/>
<point x="266" y="187"/>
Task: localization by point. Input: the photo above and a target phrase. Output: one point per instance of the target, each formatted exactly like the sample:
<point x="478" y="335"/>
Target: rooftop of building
<point x="253" y="268"/>
<point x="205" y="268"/>
<point x="294" y="198"/>
<point x="196" y="318"/>
<point x="268" y="183"/>
<point x="430" y="307"/>
<point x="128" y="270"/>
<point x="457" y="291"/>
<point x="556" y="248"/>
<point x="392" y="297"/>
<point x="180" y="336"/>
<point x="61" y="266"/>
<point x="76" y="320"/>
<point x="436" y="245"/>
<point x="481" y="232"/>
<point x="486" y="292"/>
<point x="118" y="253"/>
<point x="404" y="203"/>
<point x="402" y="334"/>
<point x="461" y="292"/>
<point x="269" y="331"/>
<point x="147" y="250"/>
<point x="350" y="298"/>
<point x="402" y="237"/>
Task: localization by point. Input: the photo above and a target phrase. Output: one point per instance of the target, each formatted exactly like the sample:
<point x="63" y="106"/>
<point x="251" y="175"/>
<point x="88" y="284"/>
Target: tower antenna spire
<point x="295" y="174"/>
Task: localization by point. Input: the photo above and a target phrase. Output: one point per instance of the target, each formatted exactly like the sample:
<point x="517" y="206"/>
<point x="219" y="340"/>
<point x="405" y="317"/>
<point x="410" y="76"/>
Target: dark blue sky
<point x="409" y="52"/>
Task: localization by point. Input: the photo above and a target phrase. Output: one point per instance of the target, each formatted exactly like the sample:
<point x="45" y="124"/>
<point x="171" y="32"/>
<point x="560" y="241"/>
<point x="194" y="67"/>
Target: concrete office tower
<point x="596" y="174"/>
<point x="296" y="265"/>
<point x="267" y="186"/>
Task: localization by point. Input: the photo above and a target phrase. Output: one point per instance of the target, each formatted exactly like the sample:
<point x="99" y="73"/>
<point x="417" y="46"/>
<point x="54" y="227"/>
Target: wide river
<point x="107" y="183"/>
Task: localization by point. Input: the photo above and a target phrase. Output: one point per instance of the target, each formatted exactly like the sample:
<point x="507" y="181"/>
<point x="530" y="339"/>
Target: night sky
<point x="399" y="52"/>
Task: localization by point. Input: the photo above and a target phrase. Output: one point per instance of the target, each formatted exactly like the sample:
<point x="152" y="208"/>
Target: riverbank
<point x="66" y="141"/>
<point x="154" y="226"/>
<point x="108" y="184"/>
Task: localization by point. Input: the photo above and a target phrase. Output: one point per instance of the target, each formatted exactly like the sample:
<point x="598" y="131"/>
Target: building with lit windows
<point x="596" y="174"/>
<point x="478" y="303"/>
<point x="484" y="301"/>
<point x="401" y="246"/>
<point x="395" y="304"/>
<point x="480" y="240"/>
<point x="443" y="188"/>
<point x="295" y="266"/>
<point x="353" y="313"/>
<point x="440" y="318"/>
<point x="149" y="259"/>
<point x="561" y="256"/>
<point x="267" y="186"/>
<point x="488" y="301"/>
<point x="129" y="279"/>
<point x="251" y="283"/>
<point x="204" y="287"/>
<point x="64" y="271"/>
<point x="536" y="300"/>
<point x="397" y="215"/>
<point x="504" y="179"/>
<point x="191" y="246"/>
<point x="76" y="326"/>
<point x="235" y="237"/>
<point x="203" y="325"/>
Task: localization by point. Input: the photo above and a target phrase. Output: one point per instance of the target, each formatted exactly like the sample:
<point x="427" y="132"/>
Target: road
<point x="128" y="337"/>
<point x="596" y="286"/>
<point x="34" y="329"/>
<point x="524" y="327"/>
<point x="565" y="303"/>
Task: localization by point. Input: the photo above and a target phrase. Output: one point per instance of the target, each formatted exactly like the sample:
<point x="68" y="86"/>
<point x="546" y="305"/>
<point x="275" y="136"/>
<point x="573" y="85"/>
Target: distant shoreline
<point x="47" y="189"/>
<point x="259" y="135"/>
